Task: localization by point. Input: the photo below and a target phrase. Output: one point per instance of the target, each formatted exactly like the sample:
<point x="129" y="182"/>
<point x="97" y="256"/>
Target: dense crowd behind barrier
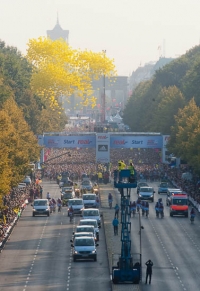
<point x="146" y="161"/>
<point x="13" y="205"/>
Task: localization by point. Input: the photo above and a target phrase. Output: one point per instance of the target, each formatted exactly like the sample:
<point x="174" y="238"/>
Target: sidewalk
<point x="113" y="242"/>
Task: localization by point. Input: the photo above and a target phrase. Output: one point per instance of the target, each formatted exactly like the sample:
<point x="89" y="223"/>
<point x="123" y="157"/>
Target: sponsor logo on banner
<point x="102" y="148"/>
<point x="52" y="142"/>
<point x="137" y="141"/>
<point x="102" y="136"/>
<point x="84" y="141"/>
<point x="66" y="141"/>
<point x="120" y="142"/>
<point x="152" y="142"/>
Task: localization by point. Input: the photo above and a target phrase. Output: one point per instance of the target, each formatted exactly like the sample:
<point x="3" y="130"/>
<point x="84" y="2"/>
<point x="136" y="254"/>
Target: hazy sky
<point x="129" y="30"/>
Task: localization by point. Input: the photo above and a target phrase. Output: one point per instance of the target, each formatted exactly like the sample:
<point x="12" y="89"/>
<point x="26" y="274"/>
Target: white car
<point x="92" y="213"/>
<point x="89" y="200"/>
<point x="77" y="205"/>
<point x="84" y="248"/>
<point x="91" y="222"/>
<point x="41" y="207"/>
<point x="86" y="228"/>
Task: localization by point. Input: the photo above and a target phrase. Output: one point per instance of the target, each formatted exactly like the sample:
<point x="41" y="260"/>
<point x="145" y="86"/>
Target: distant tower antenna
<point x="57" y="18"/>
<point x="163" y="48"/>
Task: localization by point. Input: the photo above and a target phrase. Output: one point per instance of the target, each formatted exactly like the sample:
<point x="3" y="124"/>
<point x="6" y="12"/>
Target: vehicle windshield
<point x="85" y="229"/>
<point x="84" y="242"/>
<point x="40" y="203"/>
<point x="83" y="234"/>
<point x="76" y="202"/>
<point x="89" y="197"/>
<point x="146" y="190"/>
<point x="86" y="183"/>
<point x="179" y="201"/>
<point x="94" y="223"/>
<point x="67" y="195"/>
<point x="164" y="185"/>
<point x="91" y="213"/>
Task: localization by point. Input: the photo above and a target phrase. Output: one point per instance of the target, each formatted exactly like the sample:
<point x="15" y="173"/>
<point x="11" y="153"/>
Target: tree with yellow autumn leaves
<point x="62" y="70"/>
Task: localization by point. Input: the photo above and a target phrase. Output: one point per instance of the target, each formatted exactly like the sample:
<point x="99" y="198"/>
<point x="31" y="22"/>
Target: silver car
<point x="146" y="193"/>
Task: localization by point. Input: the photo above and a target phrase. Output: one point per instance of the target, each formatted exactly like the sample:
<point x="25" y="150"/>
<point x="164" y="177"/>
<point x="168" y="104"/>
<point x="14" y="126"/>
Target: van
<point x="41" y="207"/>
<point x="84" y="248"/>
<point x="89" y="200"/>
<point x="179" y="205"/>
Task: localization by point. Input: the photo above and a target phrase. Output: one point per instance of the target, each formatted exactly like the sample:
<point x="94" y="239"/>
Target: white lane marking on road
<point x="168" y="257"/>
<point x="188" y="235"/>
<point x="35" y="256"/>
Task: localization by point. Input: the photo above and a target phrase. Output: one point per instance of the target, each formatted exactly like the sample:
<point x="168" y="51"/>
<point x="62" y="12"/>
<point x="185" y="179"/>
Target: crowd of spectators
<point x="13" y="206"/>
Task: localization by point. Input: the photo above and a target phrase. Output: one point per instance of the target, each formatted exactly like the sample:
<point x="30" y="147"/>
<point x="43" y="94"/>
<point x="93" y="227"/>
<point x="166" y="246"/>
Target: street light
<point x="140" y="234"/>
<point x="104" y="94"/>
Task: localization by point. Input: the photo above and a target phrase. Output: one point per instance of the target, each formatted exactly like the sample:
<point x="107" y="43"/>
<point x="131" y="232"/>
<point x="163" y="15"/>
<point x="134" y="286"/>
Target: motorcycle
<point x="147" y="211"/>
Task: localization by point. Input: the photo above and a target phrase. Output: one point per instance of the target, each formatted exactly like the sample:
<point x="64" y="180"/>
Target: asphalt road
<point x="38" y="255"/>
<point x="173" y="244"/>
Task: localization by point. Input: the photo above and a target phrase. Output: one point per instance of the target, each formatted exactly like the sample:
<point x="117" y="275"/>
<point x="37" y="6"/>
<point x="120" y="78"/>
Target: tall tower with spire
<point x="57" y="32"/>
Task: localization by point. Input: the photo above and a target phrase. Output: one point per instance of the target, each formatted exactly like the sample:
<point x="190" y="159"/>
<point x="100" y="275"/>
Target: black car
<point x="141" y="184"/>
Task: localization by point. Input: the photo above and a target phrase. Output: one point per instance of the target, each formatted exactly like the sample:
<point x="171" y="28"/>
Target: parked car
<point x="141" y="184"/>
<point x="27" y="180"/>
<point x="84" y="248"/>
<point x="146" y="193"/>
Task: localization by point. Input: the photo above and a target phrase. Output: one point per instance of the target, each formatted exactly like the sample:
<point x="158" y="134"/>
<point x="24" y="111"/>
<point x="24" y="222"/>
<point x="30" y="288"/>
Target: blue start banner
<point x="96" y="141"/>
<point x="82" y="141"/>
<point x="137" y="141"/>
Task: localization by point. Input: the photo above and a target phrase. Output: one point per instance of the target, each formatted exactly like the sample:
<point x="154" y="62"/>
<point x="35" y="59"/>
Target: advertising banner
<point x="102" y="148"/>
<point x="137" y="141"/>
<point x="82" y="141"/>
<point x="164" y="149"/>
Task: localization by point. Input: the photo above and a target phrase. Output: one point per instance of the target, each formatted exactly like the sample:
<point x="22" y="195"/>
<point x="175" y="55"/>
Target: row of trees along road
<point x="30" y="88"/>
<point x="169" y="104"/>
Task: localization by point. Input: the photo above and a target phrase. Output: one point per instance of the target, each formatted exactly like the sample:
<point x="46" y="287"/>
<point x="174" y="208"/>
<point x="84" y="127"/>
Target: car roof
<point x="174" y="190"/>
<point x="146" y="187"/>
<point x="84" y="237"/>
<point x="80" y="226"/>
<point x="88" y="220"/>
<point x="72" y="199"/>
<point x="91" y="209"/>
<point x="84" y="233"/>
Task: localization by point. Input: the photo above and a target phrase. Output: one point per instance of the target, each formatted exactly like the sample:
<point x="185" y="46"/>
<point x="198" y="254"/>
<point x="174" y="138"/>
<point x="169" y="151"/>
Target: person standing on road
<point x="149" y="265"/>
<point x="116" y="211"/>
<point x="115" y="225"/>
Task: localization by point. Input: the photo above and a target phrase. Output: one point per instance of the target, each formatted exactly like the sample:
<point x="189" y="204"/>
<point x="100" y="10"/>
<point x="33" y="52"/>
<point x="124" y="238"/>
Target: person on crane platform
<point x="132" y="172"/>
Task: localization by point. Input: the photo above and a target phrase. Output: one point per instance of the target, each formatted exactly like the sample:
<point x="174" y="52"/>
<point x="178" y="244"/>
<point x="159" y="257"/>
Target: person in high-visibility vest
<point x="100" y="176"/>
<point x="132" y="172"/>
<point x="119" y="166"/>
<point x="123" y="165"/>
